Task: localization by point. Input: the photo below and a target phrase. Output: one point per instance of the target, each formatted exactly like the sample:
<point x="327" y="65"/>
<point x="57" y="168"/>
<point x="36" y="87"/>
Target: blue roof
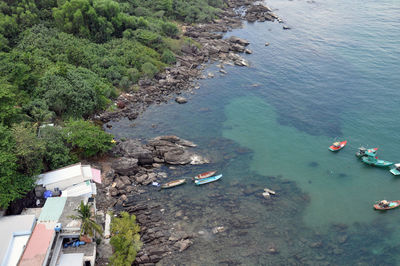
<point x="52" y="209"/>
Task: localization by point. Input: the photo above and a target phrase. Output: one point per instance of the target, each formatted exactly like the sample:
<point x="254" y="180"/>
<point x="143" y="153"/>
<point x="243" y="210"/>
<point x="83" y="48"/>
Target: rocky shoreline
<point x="135" y="165"/>
<point x="208" y="46"/>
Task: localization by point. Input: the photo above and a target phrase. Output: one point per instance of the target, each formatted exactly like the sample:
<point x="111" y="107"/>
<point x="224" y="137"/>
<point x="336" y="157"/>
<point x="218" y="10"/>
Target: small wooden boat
<point x="365" y="152"/>
<point x="207" y="180"/>
<point x="386" y="205"/>
<point x="174" y="183"/>
<point x="204" y="175"/>
<point x="395" y="169"/>
<point x="338" y="145"/>
<point x="375" y="162"/>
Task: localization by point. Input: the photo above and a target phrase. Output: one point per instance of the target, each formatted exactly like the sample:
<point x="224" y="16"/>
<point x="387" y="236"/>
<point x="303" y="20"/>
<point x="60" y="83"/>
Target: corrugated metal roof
<point x="52" y="209"/>
<point x="60" y="174"/>
<point x="38" y="245"/>
<point x="84" y="188"/>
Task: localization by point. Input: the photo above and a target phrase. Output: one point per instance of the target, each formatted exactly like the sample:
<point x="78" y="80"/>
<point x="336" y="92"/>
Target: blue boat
<point x="395" y="169"/>
<point x="375" y="162"/>
<point x="207" y="180"/>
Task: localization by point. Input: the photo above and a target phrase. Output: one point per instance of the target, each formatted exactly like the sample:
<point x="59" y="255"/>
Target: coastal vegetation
<point x="61" y="62"/>
<point x="88" y="224"/>
<point x="125" y="239"/>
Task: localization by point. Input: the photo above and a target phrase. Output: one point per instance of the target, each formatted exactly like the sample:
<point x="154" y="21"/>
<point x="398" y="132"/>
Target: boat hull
<point x="338" y="148"/>
<point x="204" y="175"/>
<point x="372" y="151"/>
<point x="394" y="171"/>
<point x="207" y="180"/>
<point x="174" y="183"/>
<point x="396" y="203"/>
<point x="377" y="163"/>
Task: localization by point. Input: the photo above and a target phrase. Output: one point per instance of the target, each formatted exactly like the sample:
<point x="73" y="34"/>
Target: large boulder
<point x="237" y="40"/>
<point x="134" y="149"/>
<point x="177" y="156"/>
<point x="125" y="166"/>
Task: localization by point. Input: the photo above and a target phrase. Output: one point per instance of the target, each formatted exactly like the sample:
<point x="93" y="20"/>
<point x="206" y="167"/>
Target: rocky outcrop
<point x="134" y="149"/>
<point x="208" y="46"/>
<point x="125" y="166"/>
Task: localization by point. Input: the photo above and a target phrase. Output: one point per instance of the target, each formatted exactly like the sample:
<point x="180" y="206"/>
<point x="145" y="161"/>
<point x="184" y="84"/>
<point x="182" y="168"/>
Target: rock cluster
<point x="208" y="45"/>
<point x="158" y="238"/>
<point x="136" y="163"/>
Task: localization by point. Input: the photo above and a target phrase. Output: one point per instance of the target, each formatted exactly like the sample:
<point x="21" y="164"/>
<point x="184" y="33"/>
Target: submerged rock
<point x="180" y="100"/>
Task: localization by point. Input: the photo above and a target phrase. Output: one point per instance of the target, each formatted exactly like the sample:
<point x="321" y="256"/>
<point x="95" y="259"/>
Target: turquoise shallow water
<point x="335" y="74"/>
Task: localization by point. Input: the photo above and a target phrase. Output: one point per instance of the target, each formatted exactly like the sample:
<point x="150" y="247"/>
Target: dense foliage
<point x="125" y="239"/>
<point x="65" y="60"/>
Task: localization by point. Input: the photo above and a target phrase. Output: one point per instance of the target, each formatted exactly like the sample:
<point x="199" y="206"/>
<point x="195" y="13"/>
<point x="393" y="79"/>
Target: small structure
<point x="70" y="231"/>
<point x="87" y="189"/>
<point x="65" y="177"/>
<point x="15" y="231"/>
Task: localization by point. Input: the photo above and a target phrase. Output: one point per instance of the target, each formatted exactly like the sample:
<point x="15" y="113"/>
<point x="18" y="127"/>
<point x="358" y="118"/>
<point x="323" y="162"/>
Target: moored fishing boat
<point x="375" y="162"/>
<point x="386" y="205"/>
<point x="395" y="169"/>
<point x="174" y="183"/>
<point x="204" y="175"/>
<point x="338" y="145"/>
<point x="365" y="152"/>
<point x="207" y="180"/>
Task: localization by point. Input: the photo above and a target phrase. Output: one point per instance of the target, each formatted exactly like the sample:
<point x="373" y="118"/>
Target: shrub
<point x="149" y="70"/>
<point x="125" y="240"/>
<point x="87" y="139"/>
<point x="168" y="57"/>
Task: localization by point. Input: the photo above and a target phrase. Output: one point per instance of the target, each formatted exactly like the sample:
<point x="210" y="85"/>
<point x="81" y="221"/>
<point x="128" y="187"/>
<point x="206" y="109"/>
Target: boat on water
<point x="386" y="205"/>
<point x="174" y="183"/>
<point x="395" y="169"/>
<point x="207" y="180"/>
<point x="204" y="175"/>
<point x="371" y="160"/>
<point x="362" y="151"/>
<point x="338" y="145"/>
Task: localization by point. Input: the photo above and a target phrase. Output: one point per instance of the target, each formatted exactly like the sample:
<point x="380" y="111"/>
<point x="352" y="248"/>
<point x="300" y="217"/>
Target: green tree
<point x="29" y="149"/>
<point x="125" y="239"/>
<point x="87" y="139"/>
<point x="13" y="185"/>
<point x="8" y="110"/>
<point x="88" y="223"/>
<point x="38" y="111"/>
<point x="57" y="152"/>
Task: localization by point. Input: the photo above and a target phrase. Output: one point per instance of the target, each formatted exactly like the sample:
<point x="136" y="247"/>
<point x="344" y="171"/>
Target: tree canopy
<point x="66" y="60"/>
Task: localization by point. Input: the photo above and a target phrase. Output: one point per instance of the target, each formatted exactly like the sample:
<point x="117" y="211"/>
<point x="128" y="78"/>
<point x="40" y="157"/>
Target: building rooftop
<point x="70" y="208"/>
<point x="14" y="233"/>
<point x="86" y="188"/>
<point x="38" y="245"/>
<point x="60" y="174"/>
<point x="52" y="209"/>
<point x="70" y="259"/>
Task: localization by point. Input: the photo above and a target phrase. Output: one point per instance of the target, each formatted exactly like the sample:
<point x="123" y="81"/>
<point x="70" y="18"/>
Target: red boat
<point x="338" y="145"/>
<point x="387" y="205"/>
<point x="204" y="175"/>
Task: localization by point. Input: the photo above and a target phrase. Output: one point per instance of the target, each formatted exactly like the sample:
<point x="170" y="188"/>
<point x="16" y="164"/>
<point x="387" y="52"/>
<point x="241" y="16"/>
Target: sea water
<point x="334" y="75"/>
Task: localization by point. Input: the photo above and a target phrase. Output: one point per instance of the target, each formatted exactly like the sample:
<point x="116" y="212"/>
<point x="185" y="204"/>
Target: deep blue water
<point x="335" y="74"/>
